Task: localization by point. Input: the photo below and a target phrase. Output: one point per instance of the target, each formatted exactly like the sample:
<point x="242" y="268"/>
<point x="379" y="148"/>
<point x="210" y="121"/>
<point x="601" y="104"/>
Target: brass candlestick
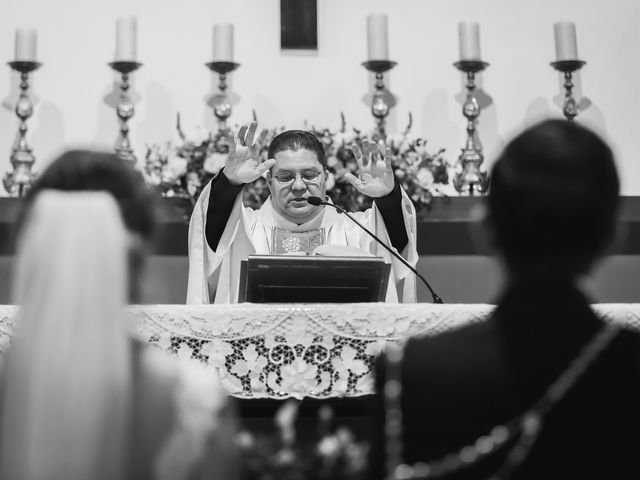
<point x="222" y="106"/>
<point x="570" y="105"/>
<point x="470" y="178"/>
<point x="16" y="183"/>
<point x="125" y="109"/>
<point x="379" y="106"/>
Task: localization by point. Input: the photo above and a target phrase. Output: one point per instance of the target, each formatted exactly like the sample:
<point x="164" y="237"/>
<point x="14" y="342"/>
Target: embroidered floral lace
<point x="314" y="350"/>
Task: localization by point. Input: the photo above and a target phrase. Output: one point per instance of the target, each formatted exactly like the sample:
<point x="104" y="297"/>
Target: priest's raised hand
<point x="376" y="177"/>
<point x="243" y="164"/>
<point x="223" y="231"/>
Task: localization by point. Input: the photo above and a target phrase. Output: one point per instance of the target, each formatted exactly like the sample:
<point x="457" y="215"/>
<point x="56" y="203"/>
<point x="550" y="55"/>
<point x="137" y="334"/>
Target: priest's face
<point x="296" y="175"/>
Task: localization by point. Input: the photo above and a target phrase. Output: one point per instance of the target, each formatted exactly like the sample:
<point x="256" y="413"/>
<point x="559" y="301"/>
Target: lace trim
<point x="281" y="351"/>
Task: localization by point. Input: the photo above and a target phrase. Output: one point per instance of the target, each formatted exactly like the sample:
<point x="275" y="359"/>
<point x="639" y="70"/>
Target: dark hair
<point x="82" y="170"/>
<point x="297" y="140"/>
<point x="553" y="199"/>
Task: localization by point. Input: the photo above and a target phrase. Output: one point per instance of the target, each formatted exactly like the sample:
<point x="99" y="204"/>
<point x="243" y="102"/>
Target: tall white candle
<point x="223" y="42"/>
<point x="126" y="39"/>
<point x="25" y="47"/>
<point x="566" y="43"/>
<point x="377" y="38"/>
<point x="469" y="40"/>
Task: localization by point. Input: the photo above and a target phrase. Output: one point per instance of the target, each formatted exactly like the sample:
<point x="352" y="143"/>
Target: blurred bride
<point x="79" y="398"/>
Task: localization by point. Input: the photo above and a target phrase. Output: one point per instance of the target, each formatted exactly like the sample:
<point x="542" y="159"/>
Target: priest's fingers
<point x="358" y="154"/>
<point x="266" y="165"/>
<point x="353" y="180"/>
<point x="241" y="134"/>
<point x="376" y="154"/>
<point x="231" y="142"/>
<point x="260" y="141"/>
<point x="387" y="158"/>
<point x="366" y="154"/>
<point x="248" y="141"/>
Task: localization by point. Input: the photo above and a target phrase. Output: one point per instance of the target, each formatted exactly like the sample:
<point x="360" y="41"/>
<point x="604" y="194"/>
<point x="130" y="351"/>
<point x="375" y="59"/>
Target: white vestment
<point x="214" y="276"/>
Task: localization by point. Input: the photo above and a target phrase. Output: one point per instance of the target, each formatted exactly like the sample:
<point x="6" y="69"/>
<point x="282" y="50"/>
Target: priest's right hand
<point x="243" y="163"/>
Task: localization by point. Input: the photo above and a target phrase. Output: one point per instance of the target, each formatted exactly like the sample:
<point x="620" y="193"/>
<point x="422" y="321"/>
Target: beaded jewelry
<point x="526" y="426"/>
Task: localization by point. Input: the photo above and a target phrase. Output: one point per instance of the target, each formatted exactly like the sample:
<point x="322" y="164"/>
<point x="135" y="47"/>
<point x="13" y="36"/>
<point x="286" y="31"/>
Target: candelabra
<point x="470" y="178"/>
<point x="17" y="182"/>
<point x="570" y="106"/>
<point x="125" y="109"/>
<point x="222" y="105"/>
<point x="379" y="106"/>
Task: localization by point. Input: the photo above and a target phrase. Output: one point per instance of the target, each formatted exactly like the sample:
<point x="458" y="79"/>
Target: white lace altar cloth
<point x="298" y="350"/>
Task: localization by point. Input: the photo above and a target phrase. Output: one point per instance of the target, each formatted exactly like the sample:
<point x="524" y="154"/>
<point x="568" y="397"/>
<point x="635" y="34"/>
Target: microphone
<point x="318" y="201"/>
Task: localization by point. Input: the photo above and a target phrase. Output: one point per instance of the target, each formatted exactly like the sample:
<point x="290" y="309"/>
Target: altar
<point x="278" y="351"/>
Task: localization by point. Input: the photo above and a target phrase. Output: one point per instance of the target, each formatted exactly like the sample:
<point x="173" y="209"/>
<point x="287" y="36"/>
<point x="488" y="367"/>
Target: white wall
<point x="77" y="39"/>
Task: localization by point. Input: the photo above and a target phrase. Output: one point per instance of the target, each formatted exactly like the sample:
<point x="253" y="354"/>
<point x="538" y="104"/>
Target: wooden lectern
<point x="313" y="279"/>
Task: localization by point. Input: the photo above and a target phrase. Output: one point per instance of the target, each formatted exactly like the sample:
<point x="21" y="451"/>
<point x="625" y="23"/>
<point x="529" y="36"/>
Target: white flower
<point x="347" y="362"/>
<point x="412" y="158"/>
<point x="344" y="138"/>
<point x="285" y="419"/>
<point x="299" y="377"/>
<point x="177" y="165"/>
<point x="217" y="351"/>
<point x="425" y="177"/>
<point x="153" y="178"/>
<point x="174" y="169"/>
<point x="329" y="446"/>
<point x="214" y="162"/>
<point x="245" y="439"/>
<point x="253" y="362"/>
<point x="332" y="161"/>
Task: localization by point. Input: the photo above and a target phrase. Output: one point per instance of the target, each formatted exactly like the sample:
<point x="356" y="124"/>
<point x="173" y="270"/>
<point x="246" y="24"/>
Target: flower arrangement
<point x="325" y="452"/>
<point x="421" y="174"/>
<point x="183" y="170"/>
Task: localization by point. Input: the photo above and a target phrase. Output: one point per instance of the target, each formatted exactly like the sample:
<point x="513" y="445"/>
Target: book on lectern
<point x="313" y="279"/>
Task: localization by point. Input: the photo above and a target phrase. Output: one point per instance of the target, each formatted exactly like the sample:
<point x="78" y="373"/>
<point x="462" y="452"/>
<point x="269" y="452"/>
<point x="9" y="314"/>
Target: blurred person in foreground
<point x="92" y="170"/>
<point x="79" y="398"/>
<point x="223" y="232"/>
<point x="544" y="388"/>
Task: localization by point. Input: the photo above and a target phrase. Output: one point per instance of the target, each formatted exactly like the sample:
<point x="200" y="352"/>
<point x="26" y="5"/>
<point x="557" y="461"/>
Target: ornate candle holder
<point x="570" y="106"/>
<point x="16" y="183"/>
<point x="222" y="106"/>
<point x="379" y="106"/>
<point x="470" y="179"/>
<point x="125" y="109"/>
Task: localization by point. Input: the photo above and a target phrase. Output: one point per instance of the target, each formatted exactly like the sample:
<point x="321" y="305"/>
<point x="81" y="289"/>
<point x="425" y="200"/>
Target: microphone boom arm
<point x="318" y="201"/>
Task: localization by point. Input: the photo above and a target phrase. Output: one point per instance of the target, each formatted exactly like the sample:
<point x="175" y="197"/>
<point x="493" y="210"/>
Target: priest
<point x="223" y="232"/>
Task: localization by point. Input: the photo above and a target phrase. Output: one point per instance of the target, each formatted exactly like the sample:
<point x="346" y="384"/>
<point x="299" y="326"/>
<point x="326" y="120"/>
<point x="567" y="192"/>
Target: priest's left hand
<point x="376" y="177"/>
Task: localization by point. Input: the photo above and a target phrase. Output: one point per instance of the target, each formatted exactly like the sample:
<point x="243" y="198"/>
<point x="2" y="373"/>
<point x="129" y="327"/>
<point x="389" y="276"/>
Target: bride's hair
<point x="67" y="379"/>
<point x="94" y="170"/>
